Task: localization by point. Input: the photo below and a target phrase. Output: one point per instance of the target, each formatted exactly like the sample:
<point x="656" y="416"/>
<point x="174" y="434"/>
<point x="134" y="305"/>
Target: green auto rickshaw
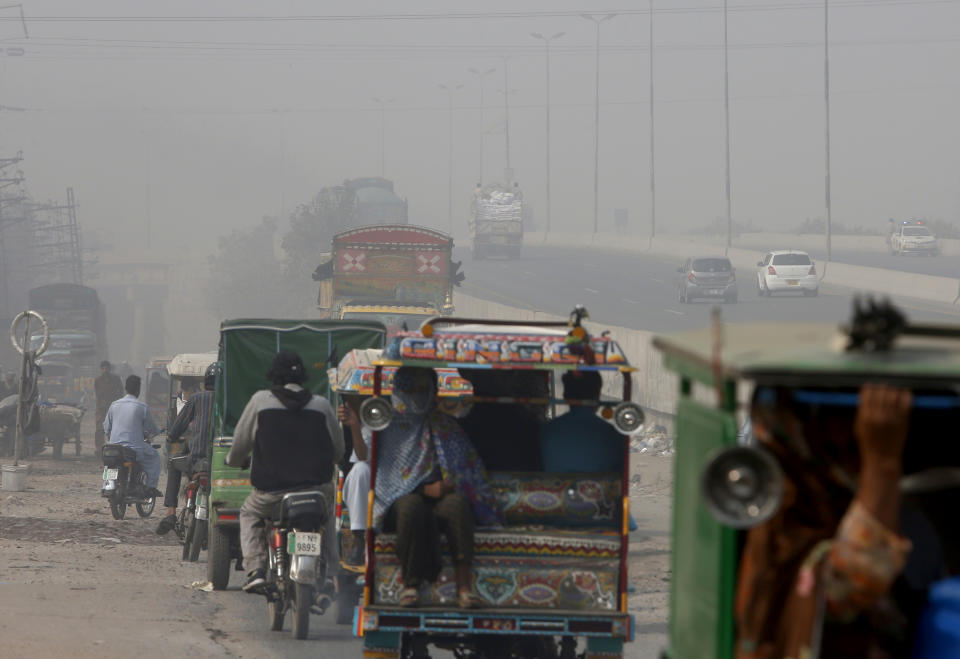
<point x="773" y="474"/>
<point x="247" y="348"/>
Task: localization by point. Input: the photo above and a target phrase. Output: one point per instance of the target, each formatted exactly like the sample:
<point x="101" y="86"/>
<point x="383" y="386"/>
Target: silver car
<point x="707" y="277"/>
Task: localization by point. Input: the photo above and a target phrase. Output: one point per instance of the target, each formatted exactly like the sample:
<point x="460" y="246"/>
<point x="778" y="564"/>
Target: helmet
<point x="210" y="377"/>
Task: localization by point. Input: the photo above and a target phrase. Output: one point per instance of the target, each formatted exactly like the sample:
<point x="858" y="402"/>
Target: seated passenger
<point x="429" y="479"/>
<point x="580" y="441"/>
<point x="356" y="485"/>
<point x="505" y="435"/>
<point x="819" y="576"/>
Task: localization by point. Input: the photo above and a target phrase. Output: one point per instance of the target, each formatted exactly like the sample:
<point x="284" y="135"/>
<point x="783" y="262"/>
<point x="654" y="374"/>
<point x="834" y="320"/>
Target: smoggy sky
<point x="206" y="125"/>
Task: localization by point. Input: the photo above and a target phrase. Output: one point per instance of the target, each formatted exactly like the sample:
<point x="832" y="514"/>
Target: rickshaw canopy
<point x="355" y="375"/>
<point x="191" y="364"/>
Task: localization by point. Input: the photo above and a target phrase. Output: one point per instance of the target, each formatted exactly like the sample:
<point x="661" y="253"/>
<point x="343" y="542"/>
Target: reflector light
<point x="770" y="270"/>
<point x="427" y="330"/>
<point x="813" y="270"/>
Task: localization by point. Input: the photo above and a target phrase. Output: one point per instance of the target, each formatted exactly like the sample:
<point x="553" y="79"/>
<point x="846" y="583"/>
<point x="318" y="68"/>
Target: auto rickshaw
<point x="155" y="387"/>
<point x="552" y="581"/>
<point x="354" y="376"/>
<point x="247" y="348"/>
<point x="181" y="368"/>
<point x="725" y="490"/>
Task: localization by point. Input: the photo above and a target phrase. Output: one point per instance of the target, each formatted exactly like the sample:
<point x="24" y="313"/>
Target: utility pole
<point x="826" y="100"/>
<point x="480" y="76"/>
<point x="653" y="169"/>
<point x="382" y="102"/>
<point x="546" y="43"/>
<point x="508" y="172"/>
<point x="726" y="111"/>
<point x="450" y="88"/>
<point x="596" y="122"/>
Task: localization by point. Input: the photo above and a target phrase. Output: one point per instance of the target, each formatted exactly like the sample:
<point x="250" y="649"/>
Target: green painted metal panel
<point x="701" y="598"/>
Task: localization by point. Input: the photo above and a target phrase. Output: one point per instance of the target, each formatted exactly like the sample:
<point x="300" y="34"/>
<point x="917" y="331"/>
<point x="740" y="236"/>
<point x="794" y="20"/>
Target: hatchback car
<point x="707" y="277"/>
<point x="787" y="270"/>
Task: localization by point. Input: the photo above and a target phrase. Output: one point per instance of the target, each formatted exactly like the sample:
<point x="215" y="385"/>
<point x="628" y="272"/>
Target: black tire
<point x="118" y="508"/>
<point x="730" y="300"/>
<point x="812" y="293"/>
<point x="275" y="613"/>
<point x="77" y="446"/>
<point x="190" y="524"/>
<point x="197" y="539"/>
<point x="348" y="596"/>
<point x="300" y="610"/>
<point x="145" y="509"/>
<point x="218" y="558"/>
<point x="57" y="449"/>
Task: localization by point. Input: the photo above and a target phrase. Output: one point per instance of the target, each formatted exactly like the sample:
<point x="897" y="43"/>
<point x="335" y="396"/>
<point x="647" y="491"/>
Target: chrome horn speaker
<point x="376" y="413"/>
<point x="742" y="486"/>
<point x="628" y="417"/>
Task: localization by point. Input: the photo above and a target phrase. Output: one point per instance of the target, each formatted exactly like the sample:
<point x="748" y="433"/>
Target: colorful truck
<point x="496" y="221"/>
<point x="396" y="274"/>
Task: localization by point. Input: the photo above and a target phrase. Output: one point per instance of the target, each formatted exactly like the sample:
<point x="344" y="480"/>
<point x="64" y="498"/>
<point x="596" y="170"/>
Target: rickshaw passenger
<point x="429" y="479"/>
<point x="506" y="435"/>
<point x="356" y="485"/>
<point x="836" y="536"/>
<point x="580" y="441"/>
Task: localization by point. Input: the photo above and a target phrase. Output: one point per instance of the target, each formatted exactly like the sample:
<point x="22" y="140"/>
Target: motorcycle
<point x="191" y="523"/>
<point x="124" y="481"/>
<point x="295" y="566"/>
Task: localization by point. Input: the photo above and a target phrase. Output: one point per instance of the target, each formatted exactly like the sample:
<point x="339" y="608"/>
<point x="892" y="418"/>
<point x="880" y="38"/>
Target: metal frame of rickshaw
<point x="439" y="622"/>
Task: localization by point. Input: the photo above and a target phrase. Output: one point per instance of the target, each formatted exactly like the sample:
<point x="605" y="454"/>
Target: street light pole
<point x="450" y="89"/>
<point x="726" y="110"/>
<point x="546" y="43"/>
<point x="596" y="122"/>
<point x="508" y="173"/>
<point x="826" y="100"/>
<point x="653" y="180"/>
<point x="382" y="102"/>
<point x="480" y="76"/>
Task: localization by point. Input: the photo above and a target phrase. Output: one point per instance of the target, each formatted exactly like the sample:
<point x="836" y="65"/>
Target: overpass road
<point x="639" y="291"/>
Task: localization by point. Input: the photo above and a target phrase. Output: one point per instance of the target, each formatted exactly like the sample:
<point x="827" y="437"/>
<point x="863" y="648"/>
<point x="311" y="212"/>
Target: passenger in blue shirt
<point x="580" y="441"/>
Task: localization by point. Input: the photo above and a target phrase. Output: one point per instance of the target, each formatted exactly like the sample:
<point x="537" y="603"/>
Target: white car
<point x="913" y="238"/>
<point x="787" y="270"/>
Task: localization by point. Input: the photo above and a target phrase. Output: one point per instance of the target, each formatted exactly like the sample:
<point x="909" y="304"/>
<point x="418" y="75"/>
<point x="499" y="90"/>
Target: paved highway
<point x="639" y="291"/>
<point x="942" y="266"/>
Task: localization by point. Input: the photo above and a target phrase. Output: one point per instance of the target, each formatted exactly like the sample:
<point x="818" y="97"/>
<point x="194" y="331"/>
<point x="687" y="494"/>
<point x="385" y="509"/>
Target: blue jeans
<point x="149" y="459"/>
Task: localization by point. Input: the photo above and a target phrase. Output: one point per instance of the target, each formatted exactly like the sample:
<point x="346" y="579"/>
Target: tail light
<point x="733" y="275"/>
<point x="770" y="270"/>
<point x="813" y="270"/>
<point x="690" y="277"/>
<point x="276" y="540"/>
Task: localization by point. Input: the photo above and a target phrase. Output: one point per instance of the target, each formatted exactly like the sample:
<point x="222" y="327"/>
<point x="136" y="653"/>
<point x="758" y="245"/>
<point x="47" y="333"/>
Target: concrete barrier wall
<point x="945" y="290"/>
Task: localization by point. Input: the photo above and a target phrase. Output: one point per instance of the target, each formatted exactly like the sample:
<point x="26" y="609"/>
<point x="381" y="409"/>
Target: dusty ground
<point x="75" y="582"/>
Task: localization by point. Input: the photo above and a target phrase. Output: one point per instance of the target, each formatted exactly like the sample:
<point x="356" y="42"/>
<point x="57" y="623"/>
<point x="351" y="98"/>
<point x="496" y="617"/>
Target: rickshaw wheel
<point x="77" y="445"/>
<point x="218" y="557"/>
<point x="57" y="448"/>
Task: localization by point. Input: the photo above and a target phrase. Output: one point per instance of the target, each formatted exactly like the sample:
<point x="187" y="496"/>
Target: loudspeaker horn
<point x="376" y="413"/>
<point x="628" y="417"/>
<point x="742" y="486"/>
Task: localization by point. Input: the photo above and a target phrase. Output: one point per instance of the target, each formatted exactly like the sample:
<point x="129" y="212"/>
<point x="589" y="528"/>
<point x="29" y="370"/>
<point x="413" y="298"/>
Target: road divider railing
<point x="930" y="288"/>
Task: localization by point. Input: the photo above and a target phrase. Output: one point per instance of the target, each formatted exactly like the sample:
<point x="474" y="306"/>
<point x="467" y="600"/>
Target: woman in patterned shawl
<point x="429" y="480"/>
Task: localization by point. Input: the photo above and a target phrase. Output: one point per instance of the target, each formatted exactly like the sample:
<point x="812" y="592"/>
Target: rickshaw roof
<point x="190" y="364"/>
<point x="293" y="325"/>
<point x="355" y="375"/>
<point x="499" y="346"/>
<point x="808" y="354"/>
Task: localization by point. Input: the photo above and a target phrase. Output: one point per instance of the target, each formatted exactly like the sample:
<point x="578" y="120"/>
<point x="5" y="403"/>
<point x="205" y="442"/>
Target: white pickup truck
<point x="913" y="238"/>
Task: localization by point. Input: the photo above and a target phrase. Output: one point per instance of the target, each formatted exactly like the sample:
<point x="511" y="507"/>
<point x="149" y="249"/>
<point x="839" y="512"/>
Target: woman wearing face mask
<point x="429" y="480"/>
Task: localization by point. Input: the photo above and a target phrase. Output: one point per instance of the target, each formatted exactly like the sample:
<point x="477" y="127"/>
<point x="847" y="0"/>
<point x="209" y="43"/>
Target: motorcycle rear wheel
<point x="275" y="614"/>
<point x="190" y="524"/>
<point x="300" y="610"/>
<point x="118" y="508"/>
<point x="197" y="539"/>
<point x="145" y="509"/>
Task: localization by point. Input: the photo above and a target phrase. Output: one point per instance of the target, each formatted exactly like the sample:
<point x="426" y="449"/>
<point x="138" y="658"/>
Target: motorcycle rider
<point x="129" y="423"/>
<point x="107" y="388"/>
<point x="194" y="420"/>
<point x="295" y="442"/>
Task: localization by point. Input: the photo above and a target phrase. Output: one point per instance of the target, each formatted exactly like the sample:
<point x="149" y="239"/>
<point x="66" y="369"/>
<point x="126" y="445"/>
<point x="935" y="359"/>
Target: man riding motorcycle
<point x="295" y="441"/>
<point x="193" y="420"/>
<point x="129" y="422"/>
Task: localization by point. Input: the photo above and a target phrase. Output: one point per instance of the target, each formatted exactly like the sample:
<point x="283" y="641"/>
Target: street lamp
<point x="726" y="119"/>
<point x="653" y="168"/>
<point x="383" y="102"/>
<point x="450" y="88"/>
<point x="480" y="76"/>
<point x="826" y="101"/>
<point x="597" y="20"/>
<point x="546" y="43"/>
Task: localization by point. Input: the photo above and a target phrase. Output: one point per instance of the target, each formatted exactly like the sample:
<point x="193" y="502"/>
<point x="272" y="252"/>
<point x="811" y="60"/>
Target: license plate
<point x="793" y="282"/>
<point x="715" y="291"/>
<point x="110" y="474"/>
<point x="304" y="544"/>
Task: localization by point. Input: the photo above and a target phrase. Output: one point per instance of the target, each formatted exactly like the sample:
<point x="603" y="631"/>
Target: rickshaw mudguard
<point x="704" y="551"/>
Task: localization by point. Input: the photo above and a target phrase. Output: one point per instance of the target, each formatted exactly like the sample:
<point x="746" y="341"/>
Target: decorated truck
<point x="496" y="221"/>
<point x="396" y="274"/>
